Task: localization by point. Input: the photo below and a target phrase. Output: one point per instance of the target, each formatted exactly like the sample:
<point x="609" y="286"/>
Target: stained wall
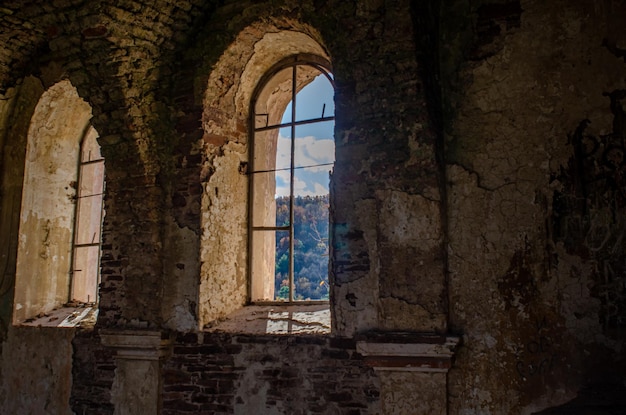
<point x="18" y="106"/>
<point x="37" y="378"/>
<point x="534" y="148"/>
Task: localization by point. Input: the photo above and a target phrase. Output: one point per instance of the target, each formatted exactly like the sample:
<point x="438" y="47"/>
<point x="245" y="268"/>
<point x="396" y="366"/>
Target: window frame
<point x="90" y="133"/>
<point x="294" y="61"/>
<point x="48" y="184"/>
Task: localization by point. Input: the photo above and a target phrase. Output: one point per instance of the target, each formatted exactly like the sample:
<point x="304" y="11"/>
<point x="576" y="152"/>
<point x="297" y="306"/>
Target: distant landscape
<point x="310" y="248"/>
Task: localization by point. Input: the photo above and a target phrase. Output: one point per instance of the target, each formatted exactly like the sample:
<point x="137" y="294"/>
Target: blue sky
<point x="314" y="142"/>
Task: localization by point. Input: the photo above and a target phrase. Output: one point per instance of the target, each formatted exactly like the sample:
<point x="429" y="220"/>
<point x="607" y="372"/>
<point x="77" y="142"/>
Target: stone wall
<point x="36" y="375"/>
<point x="93" y="372"/>
<point x="534" y="148"/>
<point x="478" y="192"/>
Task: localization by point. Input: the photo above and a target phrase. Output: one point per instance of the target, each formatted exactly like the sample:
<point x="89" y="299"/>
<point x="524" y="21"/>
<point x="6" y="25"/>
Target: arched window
<point x="292" y="156"/>
<point x="88" y="222"/>
<point x="58" y="252"/>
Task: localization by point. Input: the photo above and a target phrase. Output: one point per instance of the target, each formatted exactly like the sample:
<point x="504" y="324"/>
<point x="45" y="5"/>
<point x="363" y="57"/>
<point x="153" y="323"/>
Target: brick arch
<point x="128" y="84"/>
<point x="20" y="45"/>
<point x="255" y="50"/>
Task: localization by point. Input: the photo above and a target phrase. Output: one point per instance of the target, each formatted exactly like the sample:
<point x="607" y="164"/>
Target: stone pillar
<point x="137" y="386"/>
<point x="412" y="369"/>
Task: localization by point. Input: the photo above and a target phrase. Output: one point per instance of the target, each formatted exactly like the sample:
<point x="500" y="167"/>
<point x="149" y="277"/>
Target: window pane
<point x="311" y="247"/>
<point x="263" y="201"/>
<point x="89" y="220"/>
<point x="316" y="100"/>
<point x="91" y="179"/>
<point x="283" y="163"/>
<point x="263" y="264"/>
<point x="314" y="155"/>
<point x="273" y="100"/>
<point x="85" y="275"/>
<point x="281" y="274"/>
<point x="265" y="144"/>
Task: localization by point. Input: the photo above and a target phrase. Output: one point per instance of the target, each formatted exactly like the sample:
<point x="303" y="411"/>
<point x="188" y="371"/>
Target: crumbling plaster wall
<point x="385" y="171"/>
<point x="48" y="201"/>
<point x="535" y="260"/>
<point x="35" y="371"/>
<point x="17" y="108"/>
<point x="383" y="251"/>
<point x="524" y="258"/>
<point x="130" y="55"/>
<point x="36" y="375"/>
<point x="386" y="174"/>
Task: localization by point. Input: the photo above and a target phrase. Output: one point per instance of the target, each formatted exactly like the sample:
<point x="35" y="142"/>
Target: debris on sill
<point x="275" y="319"/>
<point x="72" y="314"/>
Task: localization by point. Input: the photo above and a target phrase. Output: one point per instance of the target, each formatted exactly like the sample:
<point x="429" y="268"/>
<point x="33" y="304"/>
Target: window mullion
<point x="287" y="124"/>
<point x="291" y="184"/>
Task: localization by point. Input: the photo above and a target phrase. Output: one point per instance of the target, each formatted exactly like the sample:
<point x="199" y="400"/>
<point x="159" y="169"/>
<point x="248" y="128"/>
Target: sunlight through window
<point x="293" y="156"/>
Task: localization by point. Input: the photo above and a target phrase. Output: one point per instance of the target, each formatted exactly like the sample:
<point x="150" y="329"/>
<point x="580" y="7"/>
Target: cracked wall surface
<point x="534" y="209"/>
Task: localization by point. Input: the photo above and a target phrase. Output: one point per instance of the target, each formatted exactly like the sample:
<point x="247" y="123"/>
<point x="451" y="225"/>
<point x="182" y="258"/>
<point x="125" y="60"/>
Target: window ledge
<point x="276" y="319"/>
<point x="84" y="317"/>
<point x="406" y="351"/>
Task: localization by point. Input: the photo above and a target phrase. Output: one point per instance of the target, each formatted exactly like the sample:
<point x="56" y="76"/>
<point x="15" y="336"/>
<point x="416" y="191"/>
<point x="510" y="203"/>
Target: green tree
<point x="310" y="247"/>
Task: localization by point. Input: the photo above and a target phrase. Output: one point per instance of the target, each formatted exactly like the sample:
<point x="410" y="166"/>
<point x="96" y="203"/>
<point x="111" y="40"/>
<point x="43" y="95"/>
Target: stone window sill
<point x="81" y="316"/>
<point x="276" y="319"/>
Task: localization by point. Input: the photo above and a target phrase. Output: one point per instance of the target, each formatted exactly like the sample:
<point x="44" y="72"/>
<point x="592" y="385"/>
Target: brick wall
<point x="223" y="374"/>
<point x="93" y="371"/>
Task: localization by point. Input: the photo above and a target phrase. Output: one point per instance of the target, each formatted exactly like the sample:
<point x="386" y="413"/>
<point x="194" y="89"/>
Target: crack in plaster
<point x="479" y="179"/>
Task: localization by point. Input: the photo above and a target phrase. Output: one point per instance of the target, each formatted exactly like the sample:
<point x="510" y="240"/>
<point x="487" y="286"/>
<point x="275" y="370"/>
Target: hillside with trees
<point x="310" y="248"/>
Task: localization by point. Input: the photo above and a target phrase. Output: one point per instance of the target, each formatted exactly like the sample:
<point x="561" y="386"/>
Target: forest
<point x="310" y="248"/>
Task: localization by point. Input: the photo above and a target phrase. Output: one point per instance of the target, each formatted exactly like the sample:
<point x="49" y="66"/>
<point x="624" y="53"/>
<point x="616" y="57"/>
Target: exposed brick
<point x="290" y="374"/>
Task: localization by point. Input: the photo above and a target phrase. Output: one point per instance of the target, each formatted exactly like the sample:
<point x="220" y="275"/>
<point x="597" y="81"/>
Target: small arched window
<point x="292" y="157"/>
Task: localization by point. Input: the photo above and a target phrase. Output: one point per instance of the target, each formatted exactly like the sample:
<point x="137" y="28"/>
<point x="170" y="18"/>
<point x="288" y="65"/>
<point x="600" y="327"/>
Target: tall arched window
<point x="88" y="221"/>
<point x="292" y="156"/>
<point x="57" y="264"/>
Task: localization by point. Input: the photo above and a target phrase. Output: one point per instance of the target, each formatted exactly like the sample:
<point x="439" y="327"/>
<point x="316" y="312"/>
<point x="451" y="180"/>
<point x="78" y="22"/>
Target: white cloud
<point x="320" y="189"/>
<point x="301" y="188"/>
<point x="317" y="150"/>
<point x="283" y="152"/>
<point x="309" y="151"/>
